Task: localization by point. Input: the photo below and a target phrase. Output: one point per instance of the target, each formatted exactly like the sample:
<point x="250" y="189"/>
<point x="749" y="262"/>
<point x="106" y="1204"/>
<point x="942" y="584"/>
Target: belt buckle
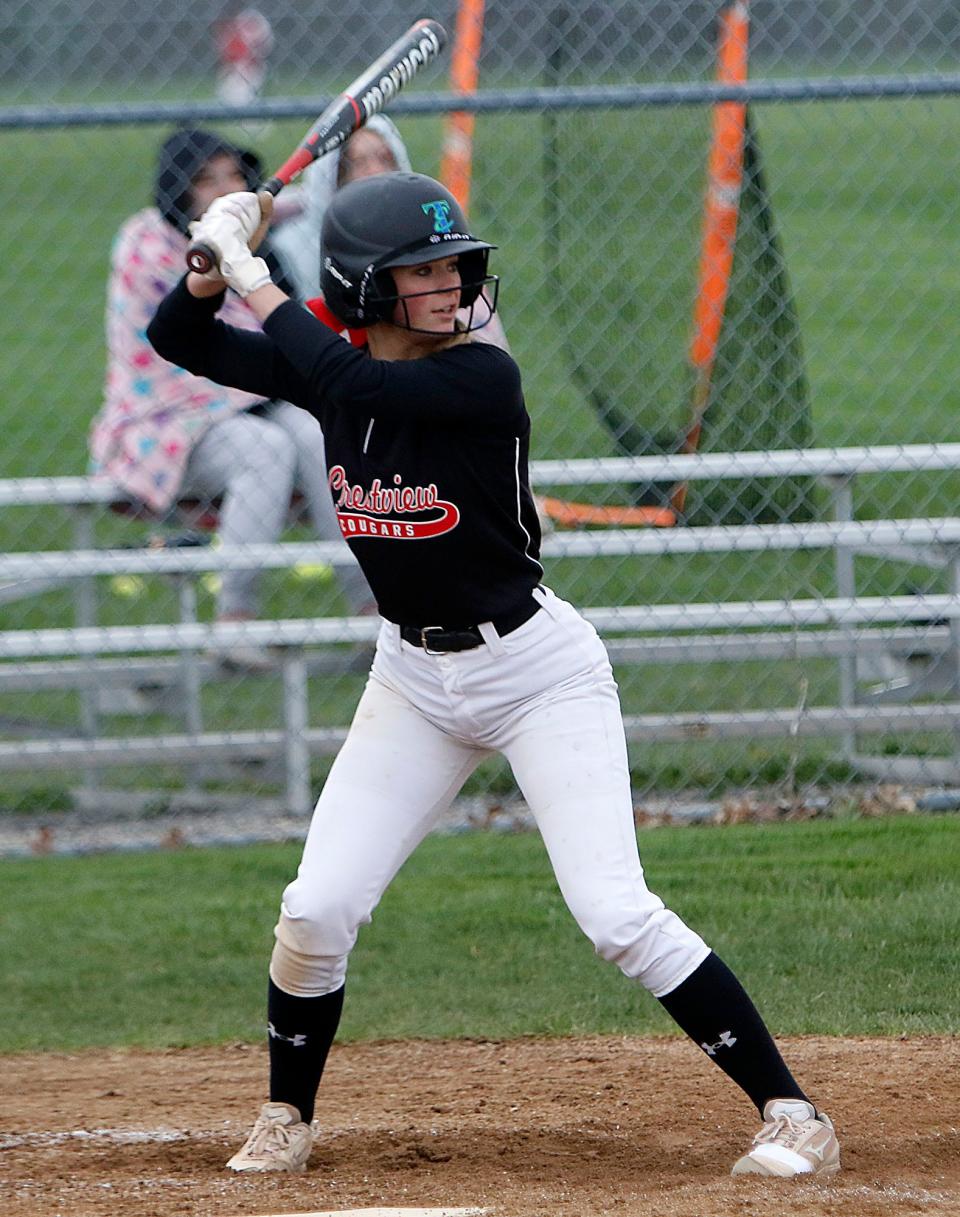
<point x="424" y="630"/>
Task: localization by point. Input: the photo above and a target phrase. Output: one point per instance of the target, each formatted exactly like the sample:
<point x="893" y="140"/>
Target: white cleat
<point x="278" y="1141"/>
<point x="794" y="1140"/>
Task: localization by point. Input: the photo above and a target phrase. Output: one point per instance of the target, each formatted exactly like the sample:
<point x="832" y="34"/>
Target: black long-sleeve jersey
<point x="426" y="458"/>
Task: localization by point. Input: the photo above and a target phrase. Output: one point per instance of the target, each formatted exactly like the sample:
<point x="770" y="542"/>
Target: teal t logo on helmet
<point x="440" y="210"/>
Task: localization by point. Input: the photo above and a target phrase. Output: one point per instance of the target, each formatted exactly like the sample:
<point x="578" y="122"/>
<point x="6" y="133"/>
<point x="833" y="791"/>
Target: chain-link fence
<point x="786" y="668"/>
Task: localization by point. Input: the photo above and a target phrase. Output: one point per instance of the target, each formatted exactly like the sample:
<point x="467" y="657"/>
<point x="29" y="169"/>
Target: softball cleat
<point x="795" y="1140"/>
<point x="278" y="1141"/>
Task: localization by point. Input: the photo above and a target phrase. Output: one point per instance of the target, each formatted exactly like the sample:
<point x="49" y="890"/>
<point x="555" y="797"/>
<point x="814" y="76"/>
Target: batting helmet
<point x="392" y="219"/>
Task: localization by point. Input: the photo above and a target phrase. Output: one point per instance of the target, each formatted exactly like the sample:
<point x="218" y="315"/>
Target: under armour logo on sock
<point x="298" y="1041"/>
<point x="726" y="1040"/>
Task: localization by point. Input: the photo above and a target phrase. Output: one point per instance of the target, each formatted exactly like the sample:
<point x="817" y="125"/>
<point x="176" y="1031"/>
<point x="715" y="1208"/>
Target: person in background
<point x="375" y="148"/>
<point x="163" y="433"/>
<point x="244" y="43"/>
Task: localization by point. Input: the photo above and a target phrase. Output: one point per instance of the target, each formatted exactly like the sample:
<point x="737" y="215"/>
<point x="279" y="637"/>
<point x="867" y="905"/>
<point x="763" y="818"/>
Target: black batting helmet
<point x="392" y="219"/>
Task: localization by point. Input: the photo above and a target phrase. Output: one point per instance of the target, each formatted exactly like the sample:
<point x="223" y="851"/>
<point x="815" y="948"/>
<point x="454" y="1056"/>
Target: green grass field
<point x="841" y="928"/>
<point x="862" y="192"/>
<point x="864" y="197"/>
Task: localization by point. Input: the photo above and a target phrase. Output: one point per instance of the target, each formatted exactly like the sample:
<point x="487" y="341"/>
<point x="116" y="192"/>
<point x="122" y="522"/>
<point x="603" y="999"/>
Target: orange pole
<point x="457" y="159"/>
<point x="724" y="180"/>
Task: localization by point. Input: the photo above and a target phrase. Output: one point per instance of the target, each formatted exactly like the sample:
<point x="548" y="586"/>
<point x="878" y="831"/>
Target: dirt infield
<point x="569" y="1128"/>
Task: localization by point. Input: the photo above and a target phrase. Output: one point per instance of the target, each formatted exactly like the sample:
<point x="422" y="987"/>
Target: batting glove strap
<point x="242" y="271"/>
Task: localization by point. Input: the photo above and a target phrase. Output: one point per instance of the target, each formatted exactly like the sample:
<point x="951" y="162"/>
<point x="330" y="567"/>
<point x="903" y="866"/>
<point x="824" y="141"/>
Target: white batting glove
<point x="240" y="268"/>
<point x="242" y="208"/>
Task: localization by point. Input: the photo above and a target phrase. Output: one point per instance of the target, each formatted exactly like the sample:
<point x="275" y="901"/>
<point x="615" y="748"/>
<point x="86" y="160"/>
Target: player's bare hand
<point x="265" y="199"/>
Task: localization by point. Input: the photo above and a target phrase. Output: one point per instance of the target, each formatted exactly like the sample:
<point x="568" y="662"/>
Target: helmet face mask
<point x="476" y="287"/>
<point x="392" y="220"/>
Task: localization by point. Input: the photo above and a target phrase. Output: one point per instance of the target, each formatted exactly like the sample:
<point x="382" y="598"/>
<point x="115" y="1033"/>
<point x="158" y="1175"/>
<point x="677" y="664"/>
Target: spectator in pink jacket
<point x="163" y="433"/>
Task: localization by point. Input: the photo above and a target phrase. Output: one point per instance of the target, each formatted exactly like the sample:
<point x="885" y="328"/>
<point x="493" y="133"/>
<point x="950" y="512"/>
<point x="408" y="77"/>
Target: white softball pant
<point x="545" y="697"/>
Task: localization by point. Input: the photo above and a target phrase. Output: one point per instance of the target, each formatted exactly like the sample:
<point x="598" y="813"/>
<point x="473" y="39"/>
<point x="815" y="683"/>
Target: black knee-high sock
<point x="713" y="1008"/>
<point x="301" y="1030"/>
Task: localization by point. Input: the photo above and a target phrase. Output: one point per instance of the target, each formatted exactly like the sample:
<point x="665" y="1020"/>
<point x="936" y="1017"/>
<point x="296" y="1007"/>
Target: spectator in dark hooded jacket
<point x="164" y="434"/>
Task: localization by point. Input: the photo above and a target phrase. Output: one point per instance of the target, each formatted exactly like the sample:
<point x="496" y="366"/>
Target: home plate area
<point x="386" y="1213"/>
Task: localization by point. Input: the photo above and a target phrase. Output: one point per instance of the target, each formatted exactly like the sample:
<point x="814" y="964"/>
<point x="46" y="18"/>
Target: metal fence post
<point x="85" y="614"/>
<point x="844" y="559"/>
<point x="954" y="560"/>
<point x="295" y="719"/>
<point x="190" y="669"/>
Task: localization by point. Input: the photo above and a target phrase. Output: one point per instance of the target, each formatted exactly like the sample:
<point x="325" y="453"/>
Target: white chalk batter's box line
<point x="111" y="1136"/>
<point x="123" y="1136"/>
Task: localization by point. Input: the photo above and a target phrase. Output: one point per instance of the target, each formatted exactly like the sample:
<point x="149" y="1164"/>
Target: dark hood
<point x="182" y="156"/>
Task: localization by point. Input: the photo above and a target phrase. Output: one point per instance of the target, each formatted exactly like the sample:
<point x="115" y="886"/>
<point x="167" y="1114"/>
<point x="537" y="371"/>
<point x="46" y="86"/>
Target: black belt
<point x="441" y="639"/>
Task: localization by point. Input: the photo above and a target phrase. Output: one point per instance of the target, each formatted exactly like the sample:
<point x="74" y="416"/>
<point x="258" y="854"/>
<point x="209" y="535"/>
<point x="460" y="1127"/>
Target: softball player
<point x="427" y="438"/>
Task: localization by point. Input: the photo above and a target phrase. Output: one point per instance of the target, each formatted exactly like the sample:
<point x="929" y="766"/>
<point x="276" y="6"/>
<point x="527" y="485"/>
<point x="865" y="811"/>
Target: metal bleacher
<point x="846" y="627"/>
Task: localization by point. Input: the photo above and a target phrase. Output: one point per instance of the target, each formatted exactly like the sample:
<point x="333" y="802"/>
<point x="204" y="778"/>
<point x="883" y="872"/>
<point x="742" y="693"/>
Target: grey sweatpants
<point x="254" y="462"/>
